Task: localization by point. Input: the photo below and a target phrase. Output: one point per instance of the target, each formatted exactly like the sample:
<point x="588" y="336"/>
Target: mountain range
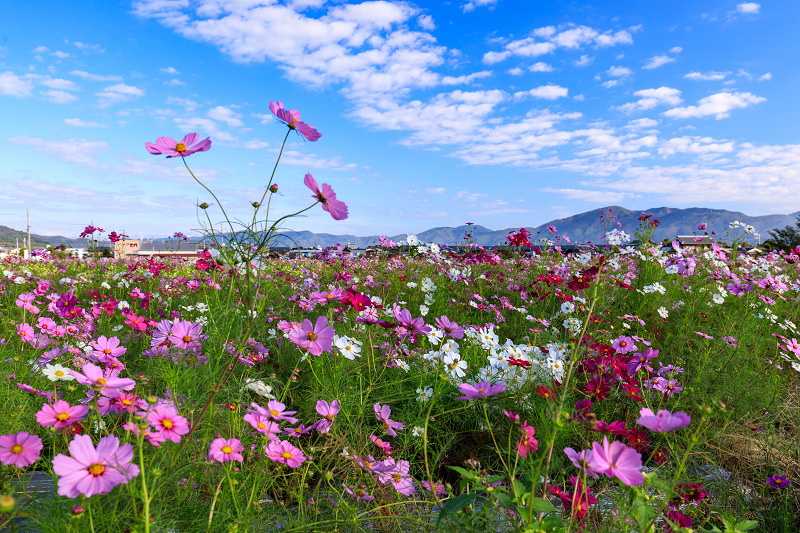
<point x="580" y="228"/>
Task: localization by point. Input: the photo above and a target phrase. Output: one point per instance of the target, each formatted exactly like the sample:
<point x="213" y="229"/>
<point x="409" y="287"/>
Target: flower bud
<point x="203" y="206"/>
<point x="273" y="188"/>
<point x="255" y="204"/>
<point x="152" y="400"/>
<point x="77" y="510"/>
<point x="7" y="503"/>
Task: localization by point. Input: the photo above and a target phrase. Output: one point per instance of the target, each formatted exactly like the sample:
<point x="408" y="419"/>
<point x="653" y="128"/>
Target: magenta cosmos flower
<point x="94" y="376"/>
<point x="327" y="198"/>
<point x="663" y="421"/>
<point x="223" y="450"/>
<point x="91" y="471"/>
<point x="619" y="461"/>
<point x="327" y="411"/>
<point x="20" y="449"/>
<point x="382" y="413"/>
<point x="286" y="453"/>
<point x="292" y="119"/>
<point x="316" y="339"/>
<point x="480" y="390"/>
<point x="168" y="423"/>
<point x="171" y="148"/>
<point x="61" y="414"/>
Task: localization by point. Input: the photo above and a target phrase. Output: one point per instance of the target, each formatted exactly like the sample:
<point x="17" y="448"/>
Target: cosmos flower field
<point x="629" y="388"/>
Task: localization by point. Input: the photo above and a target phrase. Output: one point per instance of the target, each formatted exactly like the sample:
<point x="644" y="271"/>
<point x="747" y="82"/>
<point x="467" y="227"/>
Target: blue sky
<point x="498" y="112"/>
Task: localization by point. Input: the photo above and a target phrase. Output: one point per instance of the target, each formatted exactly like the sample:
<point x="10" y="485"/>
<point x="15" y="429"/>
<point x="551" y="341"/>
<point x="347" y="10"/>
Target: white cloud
<point x="13" y="85"/>
<point x="467" y="78"/>
<point x="540" y="67"/>
<point x="600" y="197"/>
<point x="748" y="8"/>
<point x="650" y="98"/>
<point x="707" y="76"/>
<point x="256" y="144"/>
<point x="61" y="55"/>
<point x="766" y="77"/>
<point x="472" y="4"/>
<point x="426" y="22"/>
<point x="658" y="60"/>
<point x="516" y="71"/>
<point x="675" y="50"/>
<point x="435" y="190"/>
<point x="694" y="145"/>
<point x="306" y="160"/>
<point x="40" y="50"/>
<point x="174" y="82"/>
<point x="583" y="61"/>
<point x="170" y="70"/>
<point x="206" y="127"/>
<point x="642" y="123"/>
<point x="55" y="83"/>
<point x="490" y="58"/>
<point x="546" y="92"/>
<point x="95" y="77"/>
<point x="118" y="93"/>
<point x="719" y="105"/>
<point x="619" y="72"/>
<point x="78" y="151"/>
<point x="59" y="97"/>
<point x="226" y="115"/>
<point x="81" y="124"/>
<point x="86" y="46"/>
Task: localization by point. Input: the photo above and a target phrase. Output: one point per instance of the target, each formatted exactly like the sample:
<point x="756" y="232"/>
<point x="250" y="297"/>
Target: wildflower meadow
<point x="625" y="387"/>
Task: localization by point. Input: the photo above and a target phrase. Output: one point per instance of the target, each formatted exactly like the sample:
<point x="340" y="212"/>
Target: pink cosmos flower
<point x="480" y="390"/>
<point x="285" y="452"/>
<point x="382" y="413"/>
<point x="624" y="345"/>
<point x="106" y="349"/>
<point x="171" y="148"/>
<point x="415" y="325"/>
<point x="91" y="471"/>
<point x="94" y="376"/>
<point x="61" y="414"/>
<point x="401" y="479"/>
<point x="327" y="198"/>
<point x="619" y="461"/>
<point x="316" y="339"/>
<point x="186" y="335"/>
<point x="450" y="329"/>
<point x="323" y="425"/>
<point x="292" y="119"/>
<point x="663" y="421"/>
<point x="168" y="423"/>
<point x="275" y="411"/>
<point x="223" y="450"/>
<point x="526" y="443"/>
<point x="263" y="425"/>
<point x="583" y="460"/>
<point x="20" y="449"/>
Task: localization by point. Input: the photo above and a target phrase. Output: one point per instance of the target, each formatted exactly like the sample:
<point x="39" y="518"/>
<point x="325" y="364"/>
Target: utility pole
<point x="29" y="251"/>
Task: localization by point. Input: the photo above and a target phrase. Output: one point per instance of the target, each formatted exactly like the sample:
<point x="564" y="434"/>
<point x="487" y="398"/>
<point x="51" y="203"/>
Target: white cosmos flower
<point x="424" y="394"/>
<point x="259" y="387"/>
<point x="56" y="372"/>
<point x="350" y="348"/>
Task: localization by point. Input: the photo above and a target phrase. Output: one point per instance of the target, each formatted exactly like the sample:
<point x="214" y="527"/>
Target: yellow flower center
<point x="59" y="373"/>
<point x="227" y="449"/>
<point x="286" y="455"/>
<point x="106" y="351"/>
<point x="180" y="147"/>
<point x="187" y="338"/>
<point x="126" y="402"/>
<point x="261" y="425"/>
<point x="167" y="423"/>
<point x="62" y="416"/>
<point x="17" y="448"/>
<point x="480" y="391"/>
<point x="96" y="469"/>
<point x="311" y="336"/>
<point x="273" y="412"/>
<point x="329" y="416"/>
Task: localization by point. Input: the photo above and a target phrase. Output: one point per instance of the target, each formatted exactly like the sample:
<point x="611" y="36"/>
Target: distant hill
<point x="9" y="237"/>
<point x="579" y="228"/>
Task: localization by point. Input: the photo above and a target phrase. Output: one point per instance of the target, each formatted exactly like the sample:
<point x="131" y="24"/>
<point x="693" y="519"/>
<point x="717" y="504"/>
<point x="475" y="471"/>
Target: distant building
<point x="136" y="248"/>
<point x="696" y="242"/>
